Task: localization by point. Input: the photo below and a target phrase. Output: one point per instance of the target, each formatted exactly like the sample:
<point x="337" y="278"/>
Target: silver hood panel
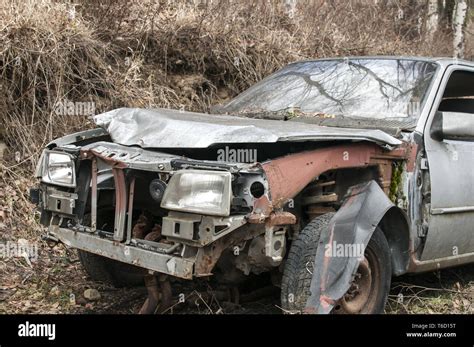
<point x="163" y="128"/>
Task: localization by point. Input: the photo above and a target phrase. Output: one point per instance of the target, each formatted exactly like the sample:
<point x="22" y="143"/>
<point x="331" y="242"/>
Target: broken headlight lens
<point x="199" y="191"/>
<point x="58" y="168"/>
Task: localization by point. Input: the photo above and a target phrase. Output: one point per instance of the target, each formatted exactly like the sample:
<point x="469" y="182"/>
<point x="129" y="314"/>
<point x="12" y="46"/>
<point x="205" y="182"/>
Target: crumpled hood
<point x="163" y="128"/>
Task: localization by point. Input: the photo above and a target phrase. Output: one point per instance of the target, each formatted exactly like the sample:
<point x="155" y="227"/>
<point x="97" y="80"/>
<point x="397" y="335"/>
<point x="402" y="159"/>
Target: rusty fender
<point x="362" y="211"/>
<point x="287" y="176"/>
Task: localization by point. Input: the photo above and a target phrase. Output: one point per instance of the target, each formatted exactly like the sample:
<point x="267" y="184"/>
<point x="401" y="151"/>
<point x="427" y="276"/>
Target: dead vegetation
<point x="450" y="291"/>
<point x="173" y="54"/>
<point x="176" y="54"/>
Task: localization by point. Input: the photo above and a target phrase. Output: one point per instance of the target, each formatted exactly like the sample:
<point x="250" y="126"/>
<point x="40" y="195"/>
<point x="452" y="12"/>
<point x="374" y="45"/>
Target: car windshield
<point x="356" y="88"/>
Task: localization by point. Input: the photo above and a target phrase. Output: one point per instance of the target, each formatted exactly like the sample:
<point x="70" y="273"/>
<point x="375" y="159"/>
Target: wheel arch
<point x="395" y="226"/>
<point x="365" y="207"/>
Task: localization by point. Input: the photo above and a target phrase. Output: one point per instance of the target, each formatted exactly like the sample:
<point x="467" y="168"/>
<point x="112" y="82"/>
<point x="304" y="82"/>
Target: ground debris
<point x="92" y="294"/>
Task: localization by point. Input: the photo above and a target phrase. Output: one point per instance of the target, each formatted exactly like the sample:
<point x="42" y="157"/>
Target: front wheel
<point x="369" y="289"/>
<point x="371" y="285"/>
<point x="110" y="271"/>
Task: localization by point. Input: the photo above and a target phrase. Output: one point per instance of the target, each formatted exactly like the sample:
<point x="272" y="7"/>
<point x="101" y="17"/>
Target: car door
<point x="451" y="171"/>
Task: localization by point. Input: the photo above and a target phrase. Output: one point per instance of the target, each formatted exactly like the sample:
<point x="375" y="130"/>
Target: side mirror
<point x="453" y="126"/>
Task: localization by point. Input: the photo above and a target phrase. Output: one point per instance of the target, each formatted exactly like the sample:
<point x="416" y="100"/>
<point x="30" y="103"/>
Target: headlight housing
<point x="58" y="169"/>
<point x="199" y="191"/>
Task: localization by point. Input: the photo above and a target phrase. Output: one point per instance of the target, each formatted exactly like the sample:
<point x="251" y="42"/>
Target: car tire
<point x="375" y="270"/>
<point x="101" y="269"/>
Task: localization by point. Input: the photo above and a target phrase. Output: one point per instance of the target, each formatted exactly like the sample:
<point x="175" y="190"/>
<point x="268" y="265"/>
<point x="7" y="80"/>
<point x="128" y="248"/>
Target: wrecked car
<point x="332" y="175"/>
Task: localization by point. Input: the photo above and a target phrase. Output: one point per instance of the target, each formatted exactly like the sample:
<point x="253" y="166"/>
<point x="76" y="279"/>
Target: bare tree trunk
<point x="290" y="8"/>
<point x="459" y="20"/>
<point x="432" y="20"/>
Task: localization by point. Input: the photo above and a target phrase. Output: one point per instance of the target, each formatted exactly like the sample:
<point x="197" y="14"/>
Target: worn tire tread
<point x="296" y="277"/>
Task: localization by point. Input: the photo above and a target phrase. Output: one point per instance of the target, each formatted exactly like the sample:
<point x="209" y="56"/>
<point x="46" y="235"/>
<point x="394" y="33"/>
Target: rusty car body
<point x="348" y="151"/>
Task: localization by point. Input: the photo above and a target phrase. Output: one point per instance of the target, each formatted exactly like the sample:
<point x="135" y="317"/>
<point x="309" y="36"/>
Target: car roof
<point x="443" y="61"/>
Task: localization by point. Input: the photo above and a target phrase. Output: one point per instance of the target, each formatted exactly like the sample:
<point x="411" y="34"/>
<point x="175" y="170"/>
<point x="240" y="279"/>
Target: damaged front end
<point x="138" y="198"/>
<point x="157" y="211"/>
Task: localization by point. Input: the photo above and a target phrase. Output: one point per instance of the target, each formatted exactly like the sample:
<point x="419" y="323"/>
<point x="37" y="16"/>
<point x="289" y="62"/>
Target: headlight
<point x="58" y="168"/>
<point x="199" y="191"/>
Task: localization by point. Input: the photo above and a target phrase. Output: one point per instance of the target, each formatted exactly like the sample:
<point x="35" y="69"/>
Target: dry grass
<point x="174" y="54"/>
<point x="449" y="291"/>
<point x="171" y="54"/>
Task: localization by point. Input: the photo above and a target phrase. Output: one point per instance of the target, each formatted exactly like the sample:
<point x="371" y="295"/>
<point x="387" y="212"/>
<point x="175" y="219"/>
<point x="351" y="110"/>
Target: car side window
<point x="459" y="93"/>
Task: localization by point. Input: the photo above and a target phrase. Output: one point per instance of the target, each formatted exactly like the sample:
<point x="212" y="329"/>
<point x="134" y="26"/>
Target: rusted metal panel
<point x="412" y="151"/>
<point x="208" y="256"/>
<point x="281" y="218"/>
<point x="159" y="295"/>
<point x="287" y="176"/>
<point x="262" y="208"/>
<point x="89" y="153"/>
